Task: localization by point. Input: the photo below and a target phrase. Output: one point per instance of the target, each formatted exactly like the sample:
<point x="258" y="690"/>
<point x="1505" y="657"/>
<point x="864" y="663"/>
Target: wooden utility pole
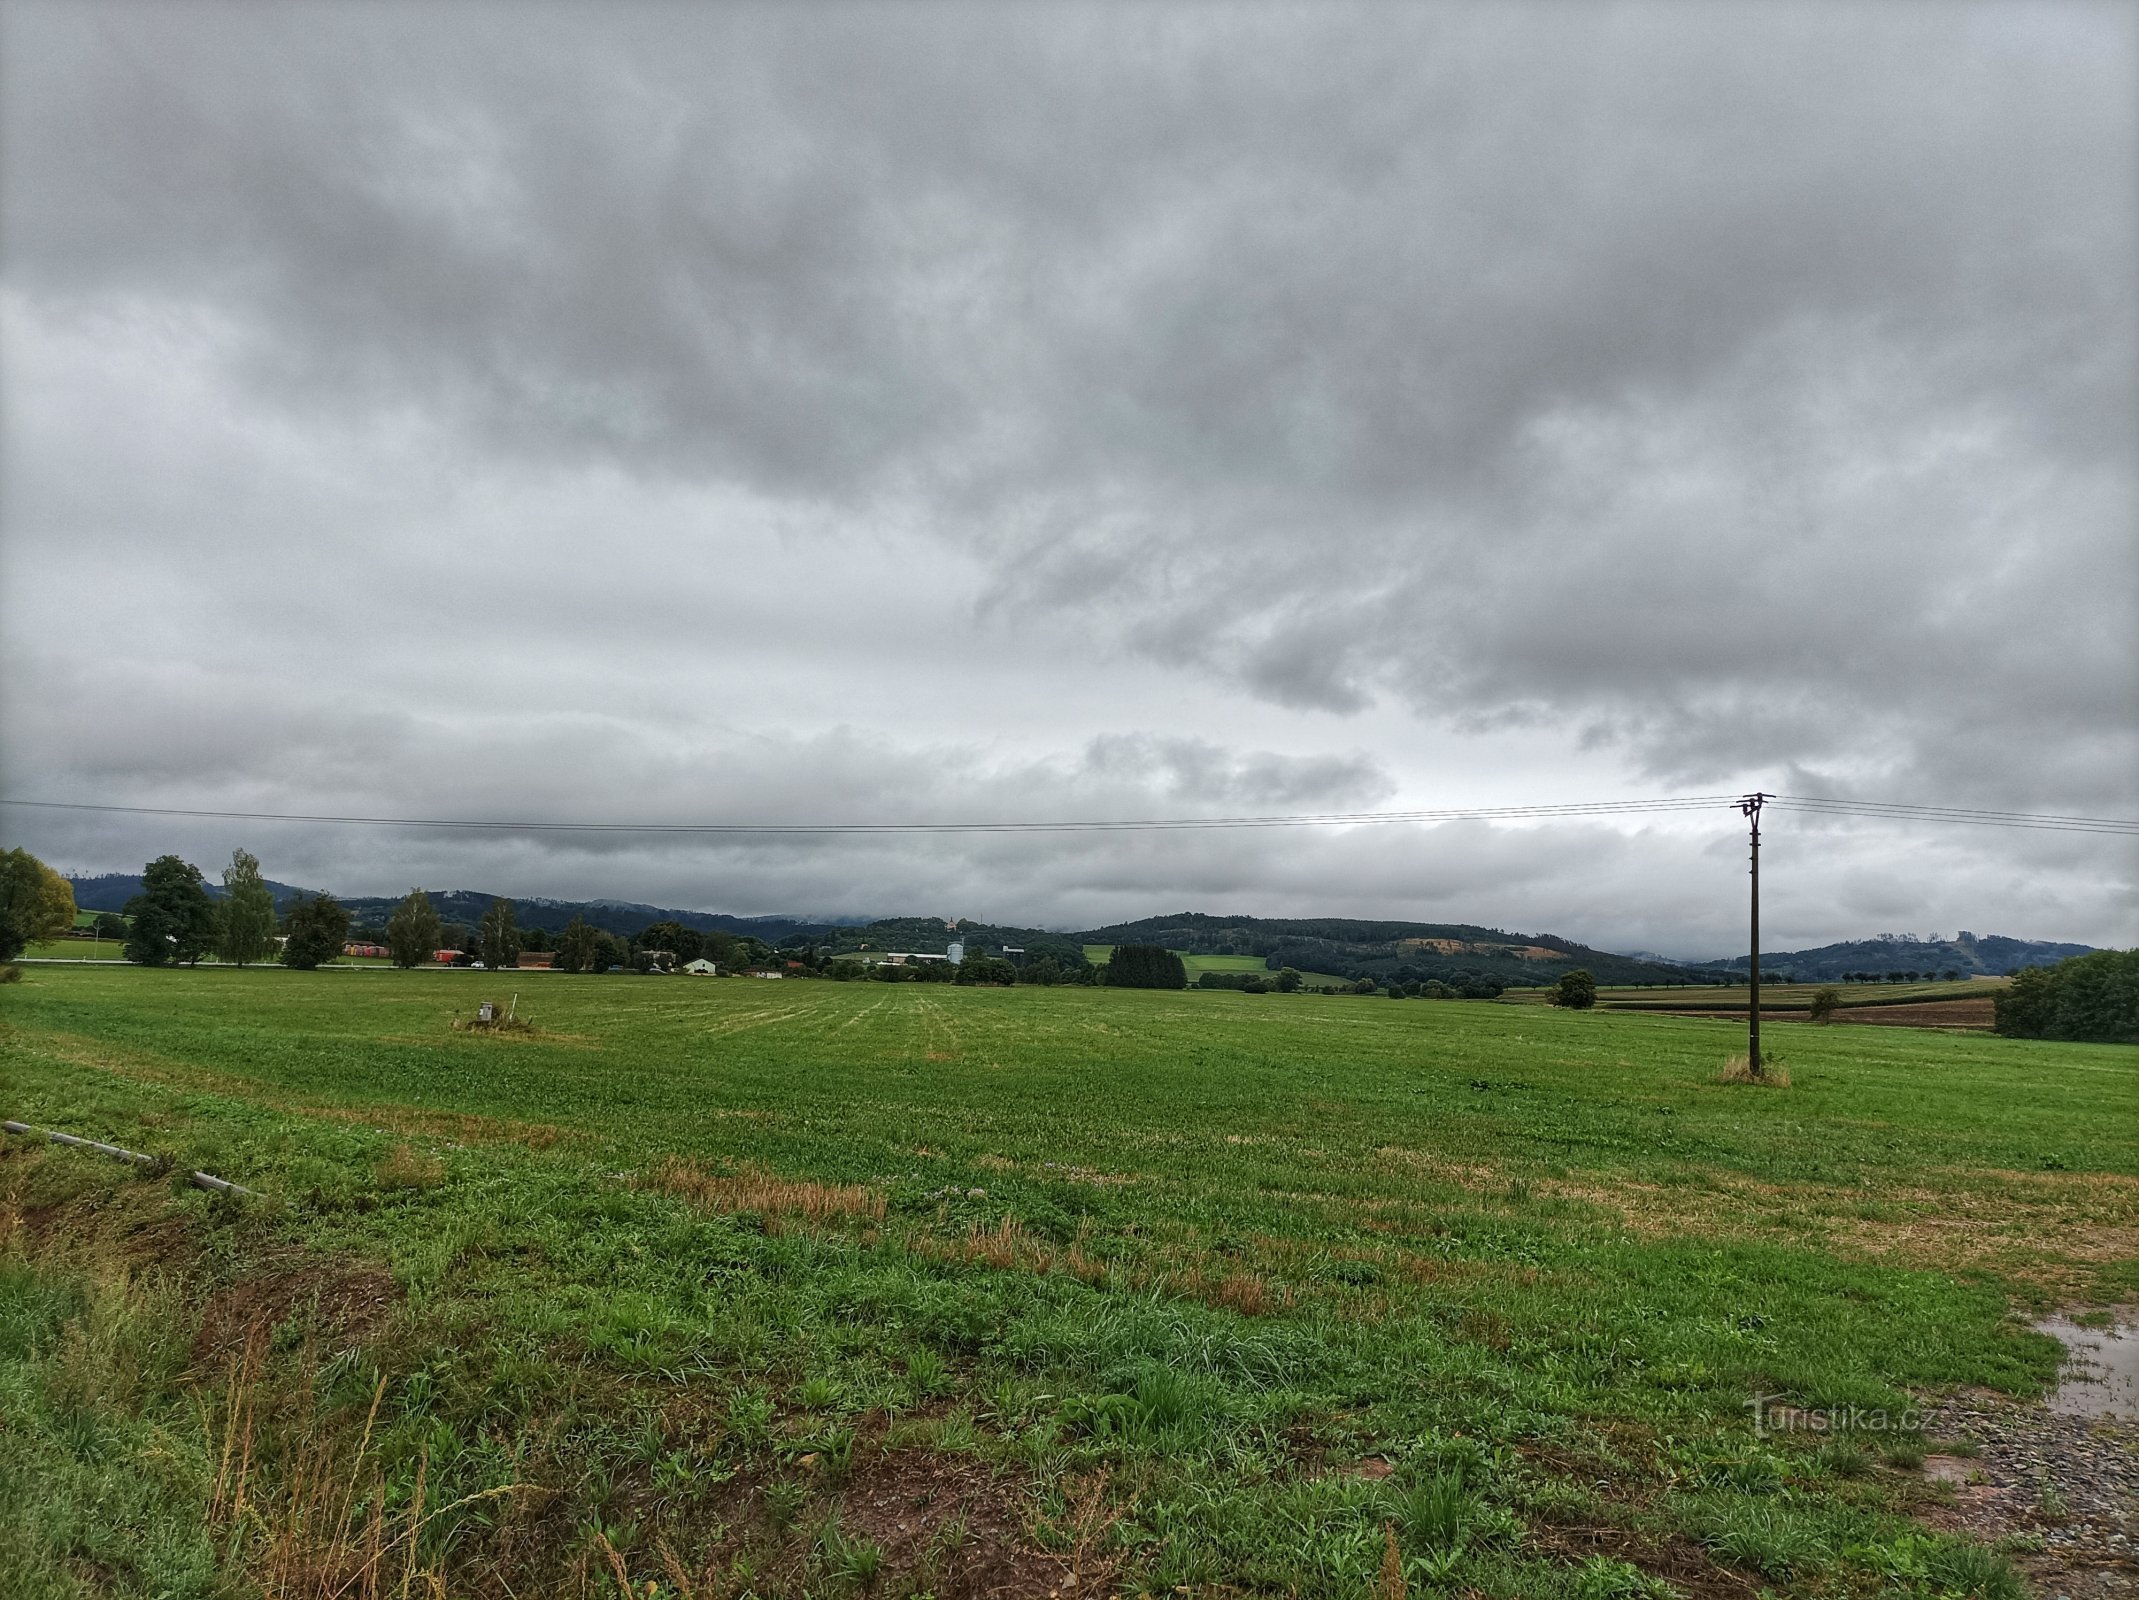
<point x="1751" y="805"/>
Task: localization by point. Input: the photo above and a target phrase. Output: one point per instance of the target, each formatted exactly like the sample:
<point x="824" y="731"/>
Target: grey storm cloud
<point x="453" y="405"/>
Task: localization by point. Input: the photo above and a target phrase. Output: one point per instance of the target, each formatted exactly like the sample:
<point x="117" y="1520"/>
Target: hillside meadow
<point x="702" y="1288"/>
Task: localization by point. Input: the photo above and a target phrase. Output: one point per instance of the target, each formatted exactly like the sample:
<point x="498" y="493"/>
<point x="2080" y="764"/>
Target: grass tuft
<point x="1764" y="1539"/>
<point x="1739" y="1069"/>
<point x="406" y="1167"/>
<point x="1970" y="1569"/>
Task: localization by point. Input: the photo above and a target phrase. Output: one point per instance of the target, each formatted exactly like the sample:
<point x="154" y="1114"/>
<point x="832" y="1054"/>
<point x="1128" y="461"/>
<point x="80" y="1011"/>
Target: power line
<point x="1809" y="804"/>
<point x="1881" y="810"/>
<point x="1143" y="824"/>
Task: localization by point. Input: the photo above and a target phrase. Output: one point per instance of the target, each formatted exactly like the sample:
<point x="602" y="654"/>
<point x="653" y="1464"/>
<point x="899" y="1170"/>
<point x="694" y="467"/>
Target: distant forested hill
<point x="111" y="890"/>
<point x="1408" y="952"/>
<point x="621" y="917"/>
<point x="1965" y="953"/>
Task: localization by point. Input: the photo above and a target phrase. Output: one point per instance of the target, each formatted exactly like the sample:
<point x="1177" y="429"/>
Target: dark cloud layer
<point x="1711" y="393"/>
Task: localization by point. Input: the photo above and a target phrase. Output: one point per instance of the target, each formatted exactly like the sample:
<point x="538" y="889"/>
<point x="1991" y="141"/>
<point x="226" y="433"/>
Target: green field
<point x="75" y="950"/>
<point x="1097" y="954"/>
<point x="1778" y="996"/>
<point x="113" y="950"/>
<point x="811" y="1288"/>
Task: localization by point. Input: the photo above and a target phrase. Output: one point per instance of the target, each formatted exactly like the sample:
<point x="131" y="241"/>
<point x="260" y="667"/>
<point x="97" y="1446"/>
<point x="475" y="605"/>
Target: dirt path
<point x="2068" y="1485"/>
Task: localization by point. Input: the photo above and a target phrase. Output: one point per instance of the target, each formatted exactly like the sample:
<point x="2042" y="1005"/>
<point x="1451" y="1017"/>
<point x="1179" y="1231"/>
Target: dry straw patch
<point x="406" y="1167"/>
<point x="754" y="1190"/>
<point x="1773" y="1073"/>
<point x="460" y="1127"/>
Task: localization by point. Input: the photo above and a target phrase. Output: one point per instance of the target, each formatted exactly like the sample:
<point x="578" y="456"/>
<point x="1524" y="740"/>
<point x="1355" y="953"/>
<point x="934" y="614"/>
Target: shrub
<point x="1576" y="990"/>
<point x="1825" y="1003"/>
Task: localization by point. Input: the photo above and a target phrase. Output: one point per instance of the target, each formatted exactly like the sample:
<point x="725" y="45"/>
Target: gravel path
<point x="2070" y="1482"/>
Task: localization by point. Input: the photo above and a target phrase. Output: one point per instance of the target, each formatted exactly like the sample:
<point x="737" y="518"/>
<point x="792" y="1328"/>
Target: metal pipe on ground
<point x="199" y="1180"/>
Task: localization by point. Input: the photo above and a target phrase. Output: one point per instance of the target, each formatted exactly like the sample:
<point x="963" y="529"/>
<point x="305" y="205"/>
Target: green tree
<point x="2094" y="997"/>
<point x="685" y="944"/>
<point x="36" y="903"/>
<point x="977" y="968"/>
<point x="576" y="947"/>
<point x="111" y="926"/>
<point x="245" y="920"/>
<point x="609" y="951"/>
<point x="1825" y="1003"/>
<point x="1288" y="980"/>
<point x="1145" y="966"/>
<point x="1576" y="990"/>
<point x="498" y="939"/>
<point x="173" y="918"/>
<point x="412" y="932"/>
<point x="318" y="929"/>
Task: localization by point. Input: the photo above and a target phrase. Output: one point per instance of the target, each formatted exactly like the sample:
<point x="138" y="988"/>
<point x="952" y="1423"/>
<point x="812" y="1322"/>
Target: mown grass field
<point x="1775" y="996"/>
<point x="807" y="1288"/>
<point x="1097" y="954"/>
<point x="114" y="950"/>
<point x="1197" y="965"/>
<point x="75" y="950"/>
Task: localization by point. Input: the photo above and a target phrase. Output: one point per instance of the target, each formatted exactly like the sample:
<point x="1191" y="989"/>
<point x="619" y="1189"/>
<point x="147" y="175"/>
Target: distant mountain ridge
<point x="1406" y="951"/>
<point x="1990" y="955"/>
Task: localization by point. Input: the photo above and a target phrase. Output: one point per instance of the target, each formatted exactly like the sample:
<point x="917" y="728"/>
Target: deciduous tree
<point x="1576" y="990"/>
<point x="35" y="903"/>
<point x="173" y="918"/>
<point x="2092" y="997"/>
<point x="245" y="920"/>
<point x="576" y="947"/>
<point x="685" y="944"/>
<point x="412" y="932"/>
<point x="318" y="929"/>
<point x="498" y="938"/>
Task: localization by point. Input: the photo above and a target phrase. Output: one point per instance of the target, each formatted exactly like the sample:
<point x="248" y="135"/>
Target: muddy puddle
<point x="2101" y="1376"/>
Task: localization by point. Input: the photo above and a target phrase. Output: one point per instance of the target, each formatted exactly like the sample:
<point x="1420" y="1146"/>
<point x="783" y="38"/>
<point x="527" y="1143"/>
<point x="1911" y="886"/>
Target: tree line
<point x="2092" y="998"/>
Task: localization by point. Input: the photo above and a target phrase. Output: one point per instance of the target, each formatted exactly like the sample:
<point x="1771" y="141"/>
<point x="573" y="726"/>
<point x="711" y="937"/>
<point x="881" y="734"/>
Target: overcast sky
<point x="873" y="412"/>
